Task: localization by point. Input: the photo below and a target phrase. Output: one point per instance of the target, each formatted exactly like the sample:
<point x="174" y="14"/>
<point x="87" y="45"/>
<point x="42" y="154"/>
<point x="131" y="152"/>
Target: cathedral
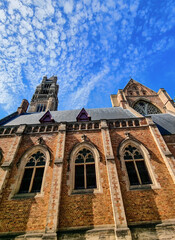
<point x="89" y="174"/>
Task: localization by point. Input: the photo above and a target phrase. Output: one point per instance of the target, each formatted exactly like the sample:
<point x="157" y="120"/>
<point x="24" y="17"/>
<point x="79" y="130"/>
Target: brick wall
<point x="5" y="144"/>
<point x="85" y="209"/>
<point x="146" y="205"/>
<point x="25" y="214"/>
<point x="170" y="141"/>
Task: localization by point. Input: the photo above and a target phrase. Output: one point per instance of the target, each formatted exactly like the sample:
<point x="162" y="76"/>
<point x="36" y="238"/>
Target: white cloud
<point x="40" y="34"/>
<point x="63" y="36"/>
<point x="68" y="7"/>
<point x="111" y="3"/>
<point x="26" y="25"/>
<point x="40" y="48"/>
<point x="52" y="55"/>
<point x="79" y="6"/>
<point x="115" y="62"/>
<point x="2" y="16"/>
<point x="134" y="6"/>
<point x="36" y="23"/>
<point x="74" y="40"/>
<point x="95" y="6"/>
<point x="79" y="98"/>
<point x="40" y="13"/>
<point x="87" y="2"/>
<point x="14" y="4"/>
<point x="2" y="28"/>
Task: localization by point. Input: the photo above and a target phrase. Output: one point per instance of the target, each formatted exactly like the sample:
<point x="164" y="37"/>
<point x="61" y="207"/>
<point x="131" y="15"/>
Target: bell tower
<point x="45" y="96"/>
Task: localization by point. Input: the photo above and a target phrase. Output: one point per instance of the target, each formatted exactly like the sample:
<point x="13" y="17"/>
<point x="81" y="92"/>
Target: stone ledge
<point x="91" y="234"/>
<point x="123" y="234"/>
<point x="88" y="228"/>
<point x="28" y="236"/>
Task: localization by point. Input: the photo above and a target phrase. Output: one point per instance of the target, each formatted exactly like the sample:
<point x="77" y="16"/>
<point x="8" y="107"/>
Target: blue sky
<point x="92" y="46"/>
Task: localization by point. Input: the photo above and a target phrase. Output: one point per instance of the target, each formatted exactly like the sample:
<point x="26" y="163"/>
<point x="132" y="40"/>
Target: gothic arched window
<point x="85" y="173"/>
<point x="145" y="108"/>
<point x="135" y="165"/>
<point x="33" y="173"/>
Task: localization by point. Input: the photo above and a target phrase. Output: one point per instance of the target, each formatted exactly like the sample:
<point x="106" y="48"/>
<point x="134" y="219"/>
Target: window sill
<point x="84" y="191"/>
<point x="26" y="195"/>
<point x="144" y="187"/>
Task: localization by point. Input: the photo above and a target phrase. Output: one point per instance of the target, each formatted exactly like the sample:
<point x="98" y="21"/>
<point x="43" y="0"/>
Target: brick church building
<point x="105" y="173"/>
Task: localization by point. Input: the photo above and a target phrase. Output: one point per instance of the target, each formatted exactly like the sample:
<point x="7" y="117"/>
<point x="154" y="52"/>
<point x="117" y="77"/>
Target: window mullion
<point x="33" y="175"/>
<point x="85" y="181"/>
<point x="138" y="175"/>
<point x="146" y="108"/>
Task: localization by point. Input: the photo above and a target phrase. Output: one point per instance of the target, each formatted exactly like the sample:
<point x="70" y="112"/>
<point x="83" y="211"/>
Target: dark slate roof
<point x="165" y="123"/>
<point x="70" y="115"/>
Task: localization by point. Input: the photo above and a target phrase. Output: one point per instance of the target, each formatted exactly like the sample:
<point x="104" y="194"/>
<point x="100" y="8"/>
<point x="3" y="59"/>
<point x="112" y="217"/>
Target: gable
<point x="83" y="116"/>
<point x="134" y="88"/>
<point x="47" y="117"/>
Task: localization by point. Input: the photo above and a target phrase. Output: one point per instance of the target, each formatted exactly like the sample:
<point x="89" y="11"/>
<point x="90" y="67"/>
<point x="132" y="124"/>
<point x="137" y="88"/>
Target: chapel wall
<point x="26" y="214"/>
<point x="82" y="210"/>
<point x="145" y="204"/>
<point x="5" y="144"/>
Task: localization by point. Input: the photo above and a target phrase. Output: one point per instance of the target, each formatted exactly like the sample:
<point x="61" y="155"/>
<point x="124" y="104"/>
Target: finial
<point x="84" y="138"/>
<point x="127" y="134"/>
<point x="40" y="141"/>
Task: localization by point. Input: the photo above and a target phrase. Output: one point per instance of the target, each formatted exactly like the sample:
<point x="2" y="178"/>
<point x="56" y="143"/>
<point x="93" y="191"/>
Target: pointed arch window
<point x="33" y="173"/>
<point x="85" y="173"/>
<point x="135" y="165"/>
<point x="145" y="108"/>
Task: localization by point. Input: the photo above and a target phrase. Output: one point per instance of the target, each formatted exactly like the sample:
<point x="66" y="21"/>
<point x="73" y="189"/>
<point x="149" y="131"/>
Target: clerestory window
<point x="33" y="173"/>
<point x="136" y="167"/>
<point x="85" y="173"/>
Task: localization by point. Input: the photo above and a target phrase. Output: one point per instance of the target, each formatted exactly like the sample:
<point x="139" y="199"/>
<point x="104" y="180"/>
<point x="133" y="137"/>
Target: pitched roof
<point x="70" y="115"/>
<point x="165" y="122"/>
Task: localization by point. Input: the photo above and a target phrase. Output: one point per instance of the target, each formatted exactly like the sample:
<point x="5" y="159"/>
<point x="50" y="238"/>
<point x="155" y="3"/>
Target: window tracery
<point x="33" y="173"/>
<point x="84" y="169"/>
<point x="85" y="176"/>
<point x="136" y="167"/>
<point x="136" y="162"/>
<point x="146" y="108"/>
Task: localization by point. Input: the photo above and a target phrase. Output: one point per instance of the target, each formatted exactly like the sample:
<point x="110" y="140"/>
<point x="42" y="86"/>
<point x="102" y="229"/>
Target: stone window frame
<point x="146" y="156"/>
<point x="71" y="173"/>
<point x="21" y="168"/>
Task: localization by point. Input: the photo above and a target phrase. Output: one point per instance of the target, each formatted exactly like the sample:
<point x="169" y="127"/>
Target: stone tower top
<point x="45" y="96"/>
